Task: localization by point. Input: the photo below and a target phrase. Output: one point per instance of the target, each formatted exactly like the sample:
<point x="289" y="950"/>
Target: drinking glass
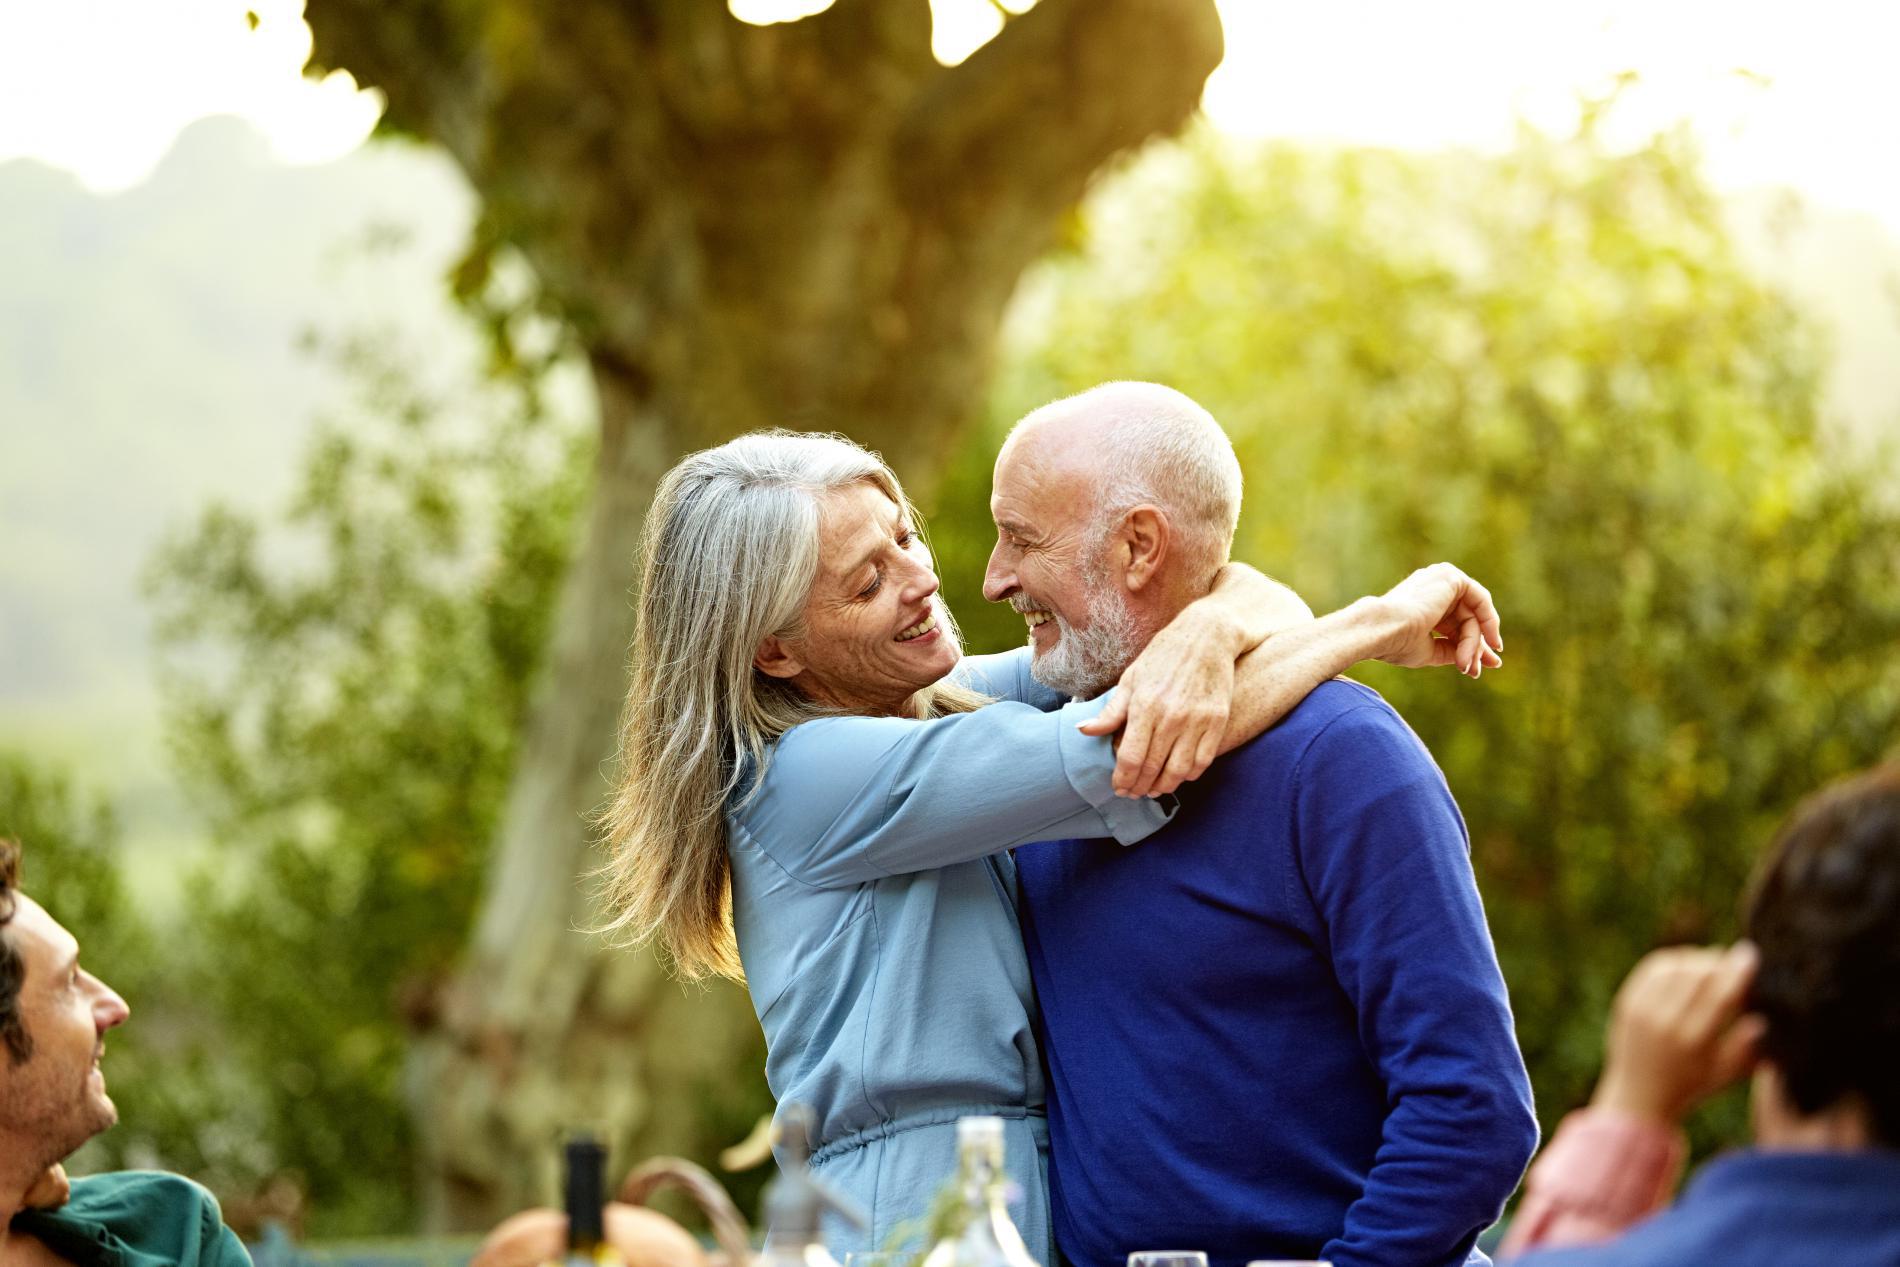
<point x="1167" y="1258"/>
<point x="882" y="1257"/>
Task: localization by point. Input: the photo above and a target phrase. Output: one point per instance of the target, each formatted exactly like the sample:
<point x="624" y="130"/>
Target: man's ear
<point x="775" y="659"/>
<point x="1144" y="540"/>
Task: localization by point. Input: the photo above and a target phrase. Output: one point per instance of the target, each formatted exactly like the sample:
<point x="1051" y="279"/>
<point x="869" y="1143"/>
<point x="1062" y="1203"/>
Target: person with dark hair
<point x="53" y="1020"/>
<point x="1810" y="1002"/>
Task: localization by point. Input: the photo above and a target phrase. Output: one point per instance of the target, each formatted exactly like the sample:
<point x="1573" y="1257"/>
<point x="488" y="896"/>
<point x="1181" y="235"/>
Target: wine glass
<point x="1167" y="1258"/>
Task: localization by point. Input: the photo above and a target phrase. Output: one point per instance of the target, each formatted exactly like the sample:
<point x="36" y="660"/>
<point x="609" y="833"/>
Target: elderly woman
<point x="820" y="793"/>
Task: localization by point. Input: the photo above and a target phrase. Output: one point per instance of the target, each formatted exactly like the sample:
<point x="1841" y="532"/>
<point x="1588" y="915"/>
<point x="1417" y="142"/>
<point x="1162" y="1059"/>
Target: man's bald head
<point x="1142" y="443"/>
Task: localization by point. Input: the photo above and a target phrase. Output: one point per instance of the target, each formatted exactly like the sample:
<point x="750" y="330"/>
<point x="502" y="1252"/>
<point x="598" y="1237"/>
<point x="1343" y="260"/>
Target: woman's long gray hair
<point x="729" y="555"/>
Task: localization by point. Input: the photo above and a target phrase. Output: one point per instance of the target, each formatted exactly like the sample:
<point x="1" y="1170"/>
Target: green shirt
<point x="137" y="1218"/>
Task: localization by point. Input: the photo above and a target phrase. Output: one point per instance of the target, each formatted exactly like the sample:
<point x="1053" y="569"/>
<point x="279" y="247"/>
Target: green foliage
<point x="1552" y="369"/>
<point x="345" y="689"/>
<point x="70" y="862"/>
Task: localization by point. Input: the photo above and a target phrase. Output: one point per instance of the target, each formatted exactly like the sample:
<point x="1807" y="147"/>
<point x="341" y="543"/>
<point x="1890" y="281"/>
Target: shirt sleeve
<point x="846" y="800"/>
<point x="1603" y="1172"/>
<point x="222" y="1246"/>
<point x="1383" y="852"/>
<point x="1006" y="676"/>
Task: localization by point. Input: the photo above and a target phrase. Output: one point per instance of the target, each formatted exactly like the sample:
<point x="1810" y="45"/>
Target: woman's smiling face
<point x="875" y="630"/>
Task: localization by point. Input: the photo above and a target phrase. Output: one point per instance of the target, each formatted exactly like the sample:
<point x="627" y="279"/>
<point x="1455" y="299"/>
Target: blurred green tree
<point x="1552" y="368"/>
<point x="811" y="223"/>
<point x="71" y="862"/>
<point x="345" y="688"/>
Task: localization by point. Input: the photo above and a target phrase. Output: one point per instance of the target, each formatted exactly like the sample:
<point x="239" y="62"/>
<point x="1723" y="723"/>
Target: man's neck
<point x="21" y="1171"/>
<point x="1154" y="608"/>
<point x="1781" y="1126"/>
<point x="13" y="1189"/>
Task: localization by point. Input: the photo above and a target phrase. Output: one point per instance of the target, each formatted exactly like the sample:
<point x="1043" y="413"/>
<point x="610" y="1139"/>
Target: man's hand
<point x="1677" y="1033"/>
<point x="50" y="1191"/>
<point x="1441" y="616"/>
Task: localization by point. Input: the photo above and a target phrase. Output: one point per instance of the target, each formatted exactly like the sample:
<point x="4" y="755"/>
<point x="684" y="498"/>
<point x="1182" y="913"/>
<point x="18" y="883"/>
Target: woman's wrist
<point x="1369" y="625"/>
<point x="1227" y="615"/>
<point x="1251" y="607"/>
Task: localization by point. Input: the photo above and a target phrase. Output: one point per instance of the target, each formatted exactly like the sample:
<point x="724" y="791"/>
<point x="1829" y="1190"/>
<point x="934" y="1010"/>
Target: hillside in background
<point x="153" y="357"/>
<point x="151" y="361"/>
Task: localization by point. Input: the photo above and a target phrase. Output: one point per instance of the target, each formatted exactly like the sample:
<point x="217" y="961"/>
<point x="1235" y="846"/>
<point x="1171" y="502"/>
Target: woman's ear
<point x="775" y="659"/>
<point x="1145" y="538"/>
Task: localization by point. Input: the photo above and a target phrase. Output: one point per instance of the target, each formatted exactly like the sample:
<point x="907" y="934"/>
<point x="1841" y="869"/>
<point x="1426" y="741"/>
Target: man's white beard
<point x="1086" y="662"/>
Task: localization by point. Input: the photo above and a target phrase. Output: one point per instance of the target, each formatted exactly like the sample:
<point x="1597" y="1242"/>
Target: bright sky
<point x="1802" y="95"/>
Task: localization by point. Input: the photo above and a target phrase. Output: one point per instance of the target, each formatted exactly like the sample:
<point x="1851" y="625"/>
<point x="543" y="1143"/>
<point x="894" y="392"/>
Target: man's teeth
<point x="919" y="629"/>
<point x="1037" y="617"/>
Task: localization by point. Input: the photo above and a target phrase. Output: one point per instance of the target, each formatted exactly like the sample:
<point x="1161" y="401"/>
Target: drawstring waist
<point x="1037" y="1118"/>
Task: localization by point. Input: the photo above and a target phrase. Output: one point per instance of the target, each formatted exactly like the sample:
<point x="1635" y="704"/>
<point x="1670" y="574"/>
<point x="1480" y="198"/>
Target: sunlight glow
<point x="766" y="12"/>
<point x="1775" y="94"/>
<point x="103" y="87"/>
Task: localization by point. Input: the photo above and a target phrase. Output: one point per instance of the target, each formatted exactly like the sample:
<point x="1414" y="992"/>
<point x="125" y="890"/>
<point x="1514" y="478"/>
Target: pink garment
<point x="1604" y="1171"/>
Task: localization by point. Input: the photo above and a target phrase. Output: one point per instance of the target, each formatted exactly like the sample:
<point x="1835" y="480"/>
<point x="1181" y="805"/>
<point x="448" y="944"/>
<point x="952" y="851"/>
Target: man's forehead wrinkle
<point x="1067" y="448"/>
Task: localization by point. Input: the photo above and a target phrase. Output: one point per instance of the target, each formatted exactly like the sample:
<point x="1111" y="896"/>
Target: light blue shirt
<point x="875" y="907"/>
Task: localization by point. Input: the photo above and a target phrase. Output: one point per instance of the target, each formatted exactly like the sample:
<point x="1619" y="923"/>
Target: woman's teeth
<point x="919" y="629"/>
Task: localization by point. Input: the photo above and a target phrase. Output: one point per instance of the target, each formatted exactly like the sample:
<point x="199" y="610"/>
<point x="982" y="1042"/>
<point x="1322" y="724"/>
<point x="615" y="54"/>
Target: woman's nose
<point x="922" y="581"/>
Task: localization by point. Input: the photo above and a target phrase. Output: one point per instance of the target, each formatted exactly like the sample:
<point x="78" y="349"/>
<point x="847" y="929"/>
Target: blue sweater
<point x="1765" y="1209"/>
<point x="1277" y="1028"/>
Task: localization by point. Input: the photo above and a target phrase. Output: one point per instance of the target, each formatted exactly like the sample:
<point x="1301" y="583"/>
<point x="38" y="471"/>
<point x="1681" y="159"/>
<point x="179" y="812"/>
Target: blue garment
<point x="1758" y="1208"/>
<point x="876" y="918"/>
<point x="1278" y="1029"/>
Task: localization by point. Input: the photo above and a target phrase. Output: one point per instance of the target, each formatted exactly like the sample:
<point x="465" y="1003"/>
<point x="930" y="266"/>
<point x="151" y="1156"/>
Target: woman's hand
<point x="1677" y="1031"/>
<point x="1172" y="703"/>
<point x="1439" y="615"/>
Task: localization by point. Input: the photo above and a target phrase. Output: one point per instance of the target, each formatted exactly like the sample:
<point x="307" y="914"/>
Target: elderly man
<point x="1277" y="1029"/>
<point x="53" y="1019"/>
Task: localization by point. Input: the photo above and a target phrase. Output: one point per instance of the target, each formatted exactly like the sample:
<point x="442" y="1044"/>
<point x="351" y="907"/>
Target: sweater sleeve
<point x="1601" y="1173"/>
<point x="1385" y="859"/>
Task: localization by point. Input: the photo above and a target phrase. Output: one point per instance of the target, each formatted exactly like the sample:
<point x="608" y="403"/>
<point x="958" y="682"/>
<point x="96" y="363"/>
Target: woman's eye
<point x="905" y="539"/>
<point x="877" y="579"/>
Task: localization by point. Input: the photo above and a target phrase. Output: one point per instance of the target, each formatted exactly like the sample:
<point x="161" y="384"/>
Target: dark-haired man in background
<point x="53" y="1020"/>
<point x="1809" y="1004"/>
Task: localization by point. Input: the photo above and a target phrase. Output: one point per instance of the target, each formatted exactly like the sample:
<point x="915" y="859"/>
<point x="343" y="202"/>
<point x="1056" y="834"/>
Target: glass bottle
<point x="584" y="1193"/>
<point x="981" y="1233"/>
<point x="796" y="1202"/>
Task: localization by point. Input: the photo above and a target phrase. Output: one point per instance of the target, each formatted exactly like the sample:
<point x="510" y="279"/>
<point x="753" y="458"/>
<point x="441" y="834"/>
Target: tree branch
<point x="1065" y="87"/>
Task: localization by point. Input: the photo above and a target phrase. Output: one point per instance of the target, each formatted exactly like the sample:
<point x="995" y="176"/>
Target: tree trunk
<point x="809" y="225"/>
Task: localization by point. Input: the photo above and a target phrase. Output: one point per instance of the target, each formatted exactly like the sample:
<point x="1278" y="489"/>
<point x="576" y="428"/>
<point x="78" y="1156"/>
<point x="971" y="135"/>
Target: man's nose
<point x="108" y="1010"/>
<point x="998" y="578"/>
